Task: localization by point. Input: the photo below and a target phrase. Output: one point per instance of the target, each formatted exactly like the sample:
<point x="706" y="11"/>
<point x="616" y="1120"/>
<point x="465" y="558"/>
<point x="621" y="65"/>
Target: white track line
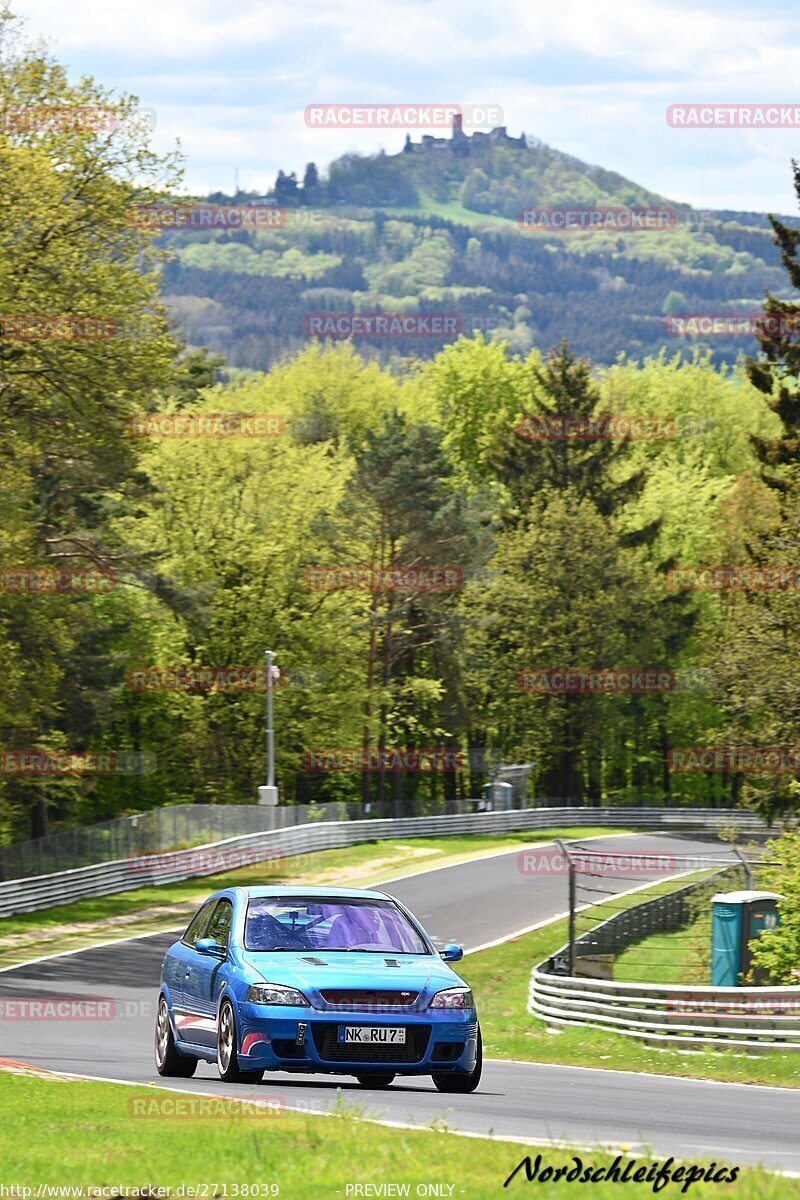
<point x="751" y="1087"/>
<point x="519" y="849"/>
<point x="640" y="887"/>
<point x="134" y="937"/>
<point x="543" y="1142"/>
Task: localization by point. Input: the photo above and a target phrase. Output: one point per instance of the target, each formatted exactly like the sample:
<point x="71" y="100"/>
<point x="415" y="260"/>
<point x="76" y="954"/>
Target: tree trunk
<point x="40" y="820"/>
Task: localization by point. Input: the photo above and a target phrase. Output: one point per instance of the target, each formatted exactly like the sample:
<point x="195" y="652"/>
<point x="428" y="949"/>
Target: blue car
<point x="332" y="980"/>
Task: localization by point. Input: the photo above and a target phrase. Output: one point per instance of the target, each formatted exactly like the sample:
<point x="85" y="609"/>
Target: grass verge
<point x="87" y="1134"/>
<point x="500" y="978"/>
<point x="85" y="922"/>
<point x="680" y="957"/>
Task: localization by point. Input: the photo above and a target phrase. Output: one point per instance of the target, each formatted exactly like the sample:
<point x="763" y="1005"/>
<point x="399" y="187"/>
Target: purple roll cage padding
<point x="329" y="925"/>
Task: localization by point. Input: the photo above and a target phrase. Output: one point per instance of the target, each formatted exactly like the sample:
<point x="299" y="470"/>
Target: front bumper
<point x="437" y="1040"/>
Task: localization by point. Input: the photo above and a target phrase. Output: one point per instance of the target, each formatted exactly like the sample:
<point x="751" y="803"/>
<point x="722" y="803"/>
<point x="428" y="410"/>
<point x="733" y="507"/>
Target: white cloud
<point x="232" y="80"/>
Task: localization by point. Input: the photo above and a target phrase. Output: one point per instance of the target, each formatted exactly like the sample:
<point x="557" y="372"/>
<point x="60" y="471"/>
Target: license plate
<point x="367" y="1035"/>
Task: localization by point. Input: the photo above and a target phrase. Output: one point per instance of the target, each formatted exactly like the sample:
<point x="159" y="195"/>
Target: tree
<point x="541" y="455"/>
<point x="674" y="302"/>
<point x="777" y="951"/>
<point x="565" y="594"/>
<point x="759" y="660"/>
<point x="777" y="370"/>
<point x="312" y="188"/>
<point x="286" y="190"/>
<point x="404" y="509"/>
<point x="68" y="250"/>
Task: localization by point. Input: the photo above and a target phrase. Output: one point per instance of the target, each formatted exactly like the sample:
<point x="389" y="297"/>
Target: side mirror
<point x="210" y="947"/>
<point x="451" y="952"/>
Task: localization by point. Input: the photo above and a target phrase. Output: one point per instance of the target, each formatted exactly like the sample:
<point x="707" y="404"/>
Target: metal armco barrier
<point x="751" y="1018"/>
<point x="672" y="1014"/>
<point x="43" y="891"/>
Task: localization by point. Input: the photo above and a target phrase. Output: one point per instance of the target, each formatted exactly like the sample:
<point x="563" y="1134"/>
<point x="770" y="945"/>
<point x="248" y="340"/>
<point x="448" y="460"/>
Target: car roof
<point x="301" y="891"/>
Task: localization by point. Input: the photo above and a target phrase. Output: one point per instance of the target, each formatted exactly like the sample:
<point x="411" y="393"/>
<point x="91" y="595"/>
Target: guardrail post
<point x="746" y="865"/>
<point x="572" y="890"/>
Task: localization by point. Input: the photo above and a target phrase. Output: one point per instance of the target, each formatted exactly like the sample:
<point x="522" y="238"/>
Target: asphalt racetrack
<point x="473" y="903"/>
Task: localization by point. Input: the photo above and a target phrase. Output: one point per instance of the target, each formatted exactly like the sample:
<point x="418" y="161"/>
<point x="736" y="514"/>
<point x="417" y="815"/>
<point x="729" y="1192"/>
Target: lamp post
<point x="268" y="793"/>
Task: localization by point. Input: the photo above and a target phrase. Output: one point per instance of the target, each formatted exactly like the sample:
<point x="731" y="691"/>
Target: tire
<point x="375" y="1081"/>
<point x="462" y="1083"/>
<point x="227" y="1056"/>
<point x="168" y="1060"/>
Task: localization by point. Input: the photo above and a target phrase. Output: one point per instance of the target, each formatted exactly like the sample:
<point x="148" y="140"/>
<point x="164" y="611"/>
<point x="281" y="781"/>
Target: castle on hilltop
<point x="462" y="143"/>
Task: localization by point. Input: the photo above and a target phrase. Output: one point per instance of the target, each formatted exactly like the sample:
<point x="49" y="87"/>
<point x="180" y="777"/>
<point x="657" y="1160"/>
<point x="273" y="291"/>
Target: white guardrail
<point x="746" y="1018"/>
<point x="62" y="887"/>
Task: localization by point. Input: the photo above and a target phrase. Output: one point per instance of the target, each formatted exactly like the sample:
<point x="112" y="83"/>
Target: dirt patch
<point x="340" y="875"/>
<point x="33" y="937"/>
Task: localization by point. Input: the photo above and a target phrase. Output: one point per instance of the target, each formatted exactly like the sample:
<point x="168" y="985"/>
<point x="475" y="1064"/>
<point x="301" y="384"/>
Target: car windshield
<point x="371" y="926"/>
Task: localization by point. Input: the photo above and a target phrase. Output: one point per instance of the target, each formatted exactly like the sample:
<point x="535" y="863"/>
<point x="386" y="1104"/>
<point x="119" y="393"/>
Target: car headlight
<point x="453" y="998"/>
<point x="273" y="993"/>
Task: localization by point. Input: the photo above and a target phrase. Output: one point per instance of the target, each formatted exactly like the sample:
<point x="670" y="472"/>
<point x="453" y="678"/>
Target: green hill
<point x="436" y="228"/>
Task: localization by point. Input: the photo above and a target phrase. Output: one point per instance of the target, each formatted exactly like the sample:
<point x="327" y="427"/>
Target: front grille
<point x="369" y="1001"/>
<point x="412" y="1051"/>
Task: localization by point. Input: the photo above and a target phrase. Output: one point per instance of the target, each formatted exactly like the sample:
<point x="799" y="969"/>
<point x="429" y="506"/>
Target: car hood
<point x="313" y="970"/>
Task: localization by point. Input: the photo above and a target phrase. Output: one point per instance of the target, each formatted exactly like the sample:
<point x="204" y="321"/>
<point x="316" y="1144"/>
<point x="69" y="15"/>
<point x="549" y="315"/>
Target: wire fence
<point x="179" y="827"/>
<point x="176" y="827"/>
<point x="620" y="905"/>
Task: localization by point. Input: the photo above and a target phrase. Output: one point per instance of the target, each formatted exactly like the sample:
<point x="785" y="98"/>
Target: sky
<point x="231" y="80"/>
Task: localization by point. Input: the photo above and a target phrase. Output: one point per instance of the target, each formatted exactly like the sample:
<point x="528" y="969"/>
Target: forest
<point x="503" y="551"/>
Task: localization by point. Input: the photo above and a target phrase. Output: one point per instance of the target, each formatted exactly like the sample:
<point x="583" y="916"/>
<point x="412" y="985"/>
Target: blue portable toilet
<point x="737" y="918"/>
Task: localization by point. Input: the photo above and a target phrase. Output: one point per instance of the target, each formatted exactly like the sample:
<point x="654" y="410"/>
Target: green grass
<point x="30" y="935"/>
<point x="500" y="976"/>
<point x="452" y="211"/>
<point x="680" y="957"/>
<point x="88" y="1134"/>
<point x="500" y="979"/>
